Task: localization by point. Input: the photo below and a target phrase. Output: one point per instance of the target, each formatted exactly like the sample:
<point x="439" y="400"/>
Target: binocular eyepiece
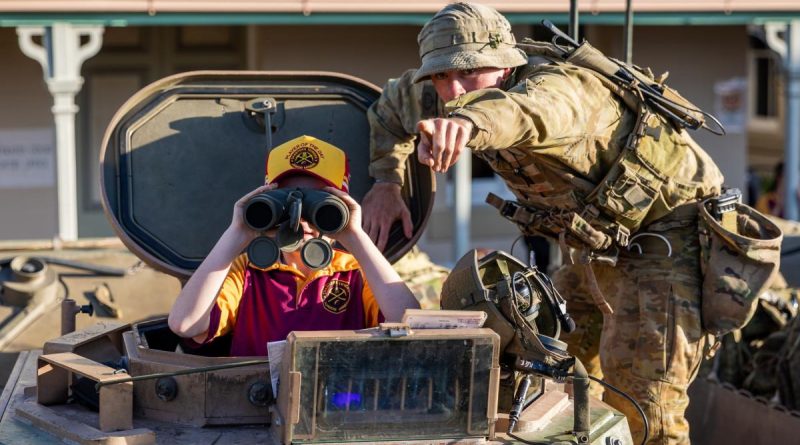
<point x="325" y="211"/>
<point x="282" y="209"/>
<point x="266" y="210"/>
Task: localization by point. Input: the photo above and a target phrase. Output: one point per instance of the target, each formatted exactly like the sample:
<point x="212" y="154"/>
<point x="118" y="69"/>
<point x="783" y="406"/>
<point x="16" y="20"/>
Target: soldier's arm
<point x="545" y="110"/>
<point x="392" y="120"/>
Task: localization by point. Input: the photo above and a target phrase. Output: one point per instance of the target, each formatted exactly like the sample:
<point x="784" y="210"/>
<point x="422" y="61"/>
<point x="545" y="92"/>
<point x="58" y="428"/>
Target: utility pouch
<point x="632" y="186"/>
<point x="577" y="231"/>
<point x="739" y="256"/>
<point x="580" y="234"/>
<point x="627" y="194"/>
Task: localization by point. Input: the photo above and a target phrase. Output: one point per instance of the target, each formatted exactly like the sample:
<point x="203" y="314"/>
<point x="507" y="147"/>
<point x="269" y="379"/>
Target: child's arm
<point x="391" y="292"/>
<point x="190" y="314"/>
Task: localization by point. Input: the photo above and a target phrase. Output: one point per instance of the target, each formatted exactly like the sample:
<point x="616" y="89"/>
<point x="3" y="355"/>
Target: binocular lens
<point x="325" y="211"/>
<point x="258" y="215"/>
<point x="263" y="252"/>
<point x="330" y="218"/>
<point x="316" y="253"/>
<point x="264" y="211"/>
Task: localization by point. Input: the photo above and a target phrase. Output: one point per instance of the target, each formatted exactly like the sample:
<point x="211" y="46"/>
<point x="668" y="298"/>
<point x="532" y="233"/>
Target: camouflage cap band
<point x="453" y="37"/>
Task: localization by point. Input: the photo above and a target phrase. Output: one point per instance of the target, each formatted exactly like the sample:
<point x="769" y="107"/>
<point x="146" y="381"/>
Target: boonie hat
<point x="467" y="36"/>
<point x="307" y="155"/>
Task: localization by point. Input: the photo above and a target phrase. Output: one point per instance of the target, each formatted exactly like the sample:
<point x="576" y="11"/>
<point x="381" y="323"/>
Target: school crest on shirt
<point x="335" y="296"/>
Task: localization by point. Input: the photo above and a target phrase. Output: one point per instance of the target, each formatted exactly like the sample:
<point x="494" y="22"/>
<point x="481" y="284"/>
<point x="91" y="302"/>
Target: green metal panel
<point x="616" y="18"/>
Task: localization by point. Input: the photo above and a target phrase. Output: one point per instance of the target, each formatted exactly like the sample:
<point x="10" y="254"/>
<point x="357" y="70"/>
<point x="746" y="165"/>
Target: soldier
<point x="556" y="132"/>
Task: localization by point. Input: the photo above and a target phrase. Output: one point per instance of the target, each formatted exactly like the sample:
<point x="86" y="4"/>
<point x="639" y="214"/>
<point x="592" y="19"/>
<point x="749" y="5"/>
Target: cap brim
<point x="461" y="59"/>
<point x="301" y="172"/>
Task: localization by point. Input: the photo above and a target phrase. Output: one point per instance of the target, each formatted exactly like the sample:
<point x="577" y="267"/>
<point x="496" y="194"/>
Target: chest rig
<point x="638" y="188"/>
<point x="635" y="189"/>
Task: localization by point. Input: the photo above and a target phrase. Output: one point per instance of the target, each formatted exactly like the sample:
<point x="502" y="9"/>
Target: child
<point x="227" y="294"/>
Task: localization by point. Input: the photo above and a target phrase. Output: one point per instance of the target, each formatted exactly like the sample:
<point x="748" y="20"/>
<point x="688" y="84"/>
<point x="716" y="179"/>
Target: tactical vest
<point x="632" y="192"/>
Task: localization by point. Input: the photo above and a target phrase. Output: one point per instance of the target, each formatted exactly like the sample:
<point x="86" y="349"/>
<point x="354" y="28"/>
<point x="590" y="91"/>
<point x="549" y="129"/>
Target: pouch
<point x="737" y="264"/>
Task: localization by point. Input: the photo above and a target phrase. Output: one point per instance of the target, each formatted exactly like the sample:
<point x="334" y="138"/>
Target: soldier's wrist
<point x="388" y="181"/>
<point x="468" y="123"/>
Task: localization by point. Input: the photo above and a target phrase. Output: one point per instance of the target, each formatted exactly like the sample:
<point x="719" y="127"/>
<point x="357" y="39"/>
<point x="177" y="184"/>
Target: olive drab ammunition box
<point x="339" y="386"/>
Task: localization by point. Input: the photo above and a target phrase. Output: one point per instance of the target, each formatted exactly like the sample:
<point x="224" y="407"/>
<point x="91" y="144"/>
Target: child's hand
<point x="237" y="223"/>
<point x="354" y="224"/>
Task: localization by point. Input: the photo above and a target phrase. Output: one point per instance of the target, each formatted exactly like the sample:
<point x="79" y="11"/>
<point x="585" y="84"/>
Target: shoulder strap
<point x="630" y="83"/>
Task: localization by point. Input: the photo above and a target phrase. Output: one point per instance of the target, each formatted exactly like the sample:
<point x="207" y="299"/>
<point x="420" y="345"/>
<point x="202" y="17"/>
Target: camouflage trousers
<point x="652" y="345"/>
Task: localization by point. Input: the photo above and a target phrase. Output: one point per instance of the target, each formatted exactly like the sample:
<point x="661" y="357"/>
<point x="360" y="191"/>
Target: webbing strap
<point x="595" y="292"/>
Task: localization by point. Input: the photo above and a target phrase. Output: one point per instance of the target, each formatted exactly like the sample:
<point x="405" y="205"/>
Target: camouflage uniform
<point x="423" y="277"/>
<point x="584" y="341"/>
<point x="552" y="132"/>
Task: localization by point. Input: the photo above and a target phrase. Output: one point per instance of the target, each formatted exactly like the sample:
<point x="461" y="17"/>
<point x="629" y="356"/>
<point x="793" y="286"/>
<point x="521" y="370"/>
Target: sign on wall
<point x="27" y="158"/>
<point x="730" y="104"/>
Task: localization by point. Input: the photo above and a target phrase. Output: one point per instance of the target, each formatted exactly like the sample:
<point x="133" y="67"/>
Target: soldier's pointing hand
<point x="442" y="140"/>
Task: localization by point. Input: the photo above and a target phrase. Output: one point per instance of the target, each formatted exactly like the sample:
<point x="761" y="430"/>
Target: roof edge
<point x="193" y="18"/>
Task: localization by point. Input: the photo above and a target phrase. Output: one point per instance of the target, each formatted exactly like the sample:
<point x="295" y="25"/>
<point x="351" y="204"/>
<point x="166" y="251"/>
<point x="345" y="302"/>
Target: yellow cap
<point x="308" y="155"/>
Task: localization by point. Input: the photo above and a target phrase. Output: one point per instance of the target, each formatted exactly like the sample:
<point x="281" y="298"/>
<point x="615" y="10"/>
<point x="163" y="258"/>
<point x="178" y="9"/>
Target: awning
<point x="370" y="12"/>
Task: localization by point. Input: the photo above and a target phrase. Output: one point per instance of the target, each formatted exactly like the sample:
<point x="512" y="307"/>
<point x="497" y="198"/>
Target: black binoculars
<point x="283" y="209"/>
<point x="325" y="211"/>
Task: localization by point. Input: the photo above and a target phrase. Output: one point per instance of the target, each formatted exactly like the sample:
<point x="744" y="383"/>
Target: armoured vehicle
<point x="175" y="158"/>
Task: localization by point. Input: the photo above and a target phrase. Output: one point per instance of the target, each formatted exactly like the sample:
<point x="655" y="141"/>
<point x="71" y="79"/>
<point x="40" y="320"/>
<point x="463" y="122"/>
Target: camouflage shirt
<point x="552" y="133"/>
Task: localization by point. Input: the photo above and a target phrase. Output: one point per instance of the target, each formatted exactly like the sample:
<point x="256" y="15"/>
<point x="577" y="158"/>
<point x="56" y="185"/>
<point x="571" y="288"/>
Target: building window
<point x="766" y="77"/>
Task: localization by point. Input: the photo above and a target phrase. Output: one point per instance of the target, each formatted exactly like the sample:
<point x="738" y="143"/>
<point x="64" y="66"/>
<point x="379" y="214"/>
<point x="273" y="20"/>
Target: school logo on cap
<point x="307" y="155"/>
<point x="335" y="296"/>
<point x="304" y="155"/>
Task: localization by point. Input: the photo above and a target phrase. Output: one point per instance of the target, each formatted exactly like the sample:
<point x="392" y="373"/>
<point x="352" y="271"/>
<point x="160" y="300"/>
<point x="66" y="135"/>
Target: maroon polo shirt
<point x="262" y="305"/>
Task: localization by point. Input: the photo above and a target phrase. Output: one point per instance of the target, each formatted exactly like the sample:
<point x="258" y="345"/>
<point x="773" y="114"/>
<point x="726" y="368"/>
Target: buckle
<point x="622" y="235"/>
<point x="509" y="209"/>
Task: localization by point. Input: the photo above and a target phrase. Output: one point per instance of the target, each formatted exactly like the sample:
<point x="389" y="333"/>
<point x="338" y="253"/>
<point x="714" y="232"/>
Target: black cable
<point x="528" y="442"/>
<point x="519" y="401"/>
<point x="630" y="399"/>
<point x="612" y="388"/>
<point x="63" y="286"/>
<point x="514" y="244"/>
